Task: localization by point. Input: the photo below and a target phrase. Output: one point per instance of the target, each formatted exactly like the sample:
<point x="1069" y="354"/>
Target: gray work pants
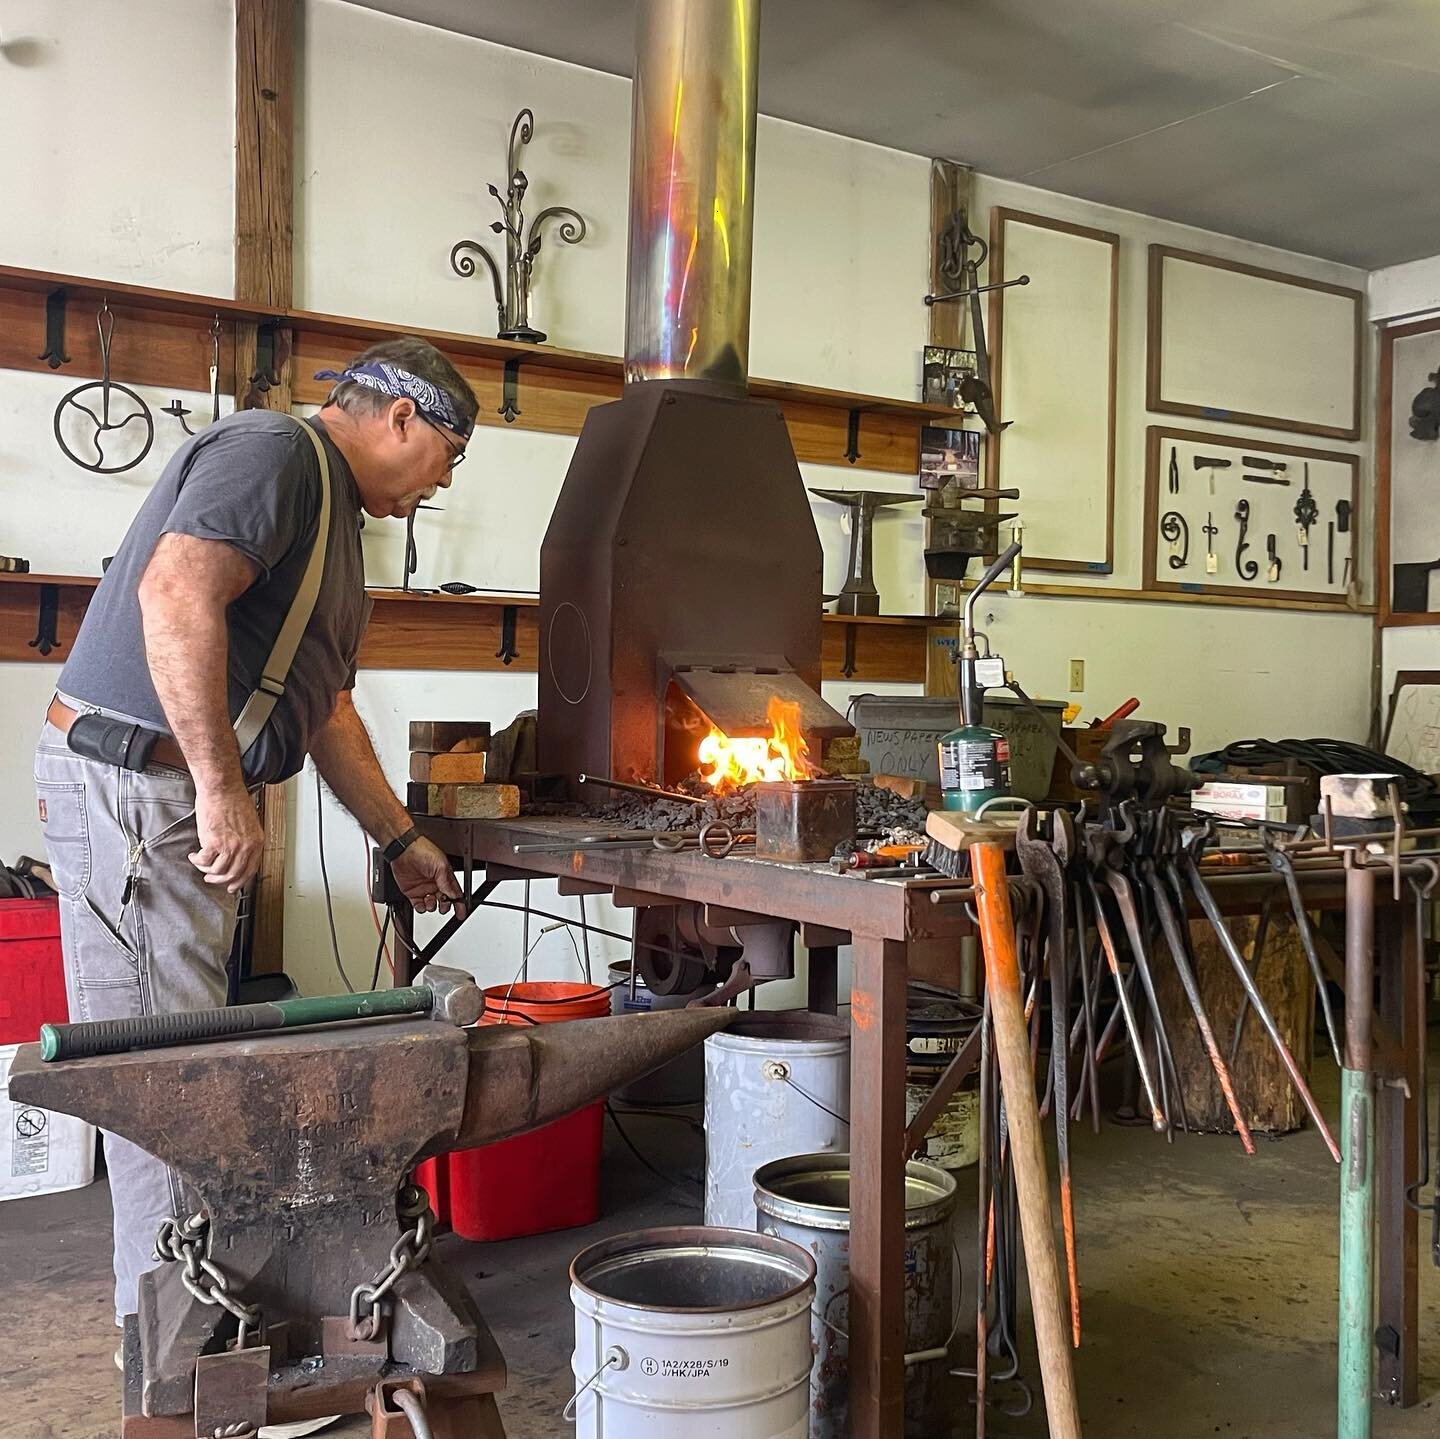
<point x="161" y="950"/>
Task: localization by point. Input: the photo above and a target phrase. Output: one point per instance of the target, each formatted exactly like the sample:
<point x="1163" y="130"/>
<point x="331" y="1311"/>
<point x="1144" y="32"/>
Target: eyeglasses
<point x="457" y="452"/>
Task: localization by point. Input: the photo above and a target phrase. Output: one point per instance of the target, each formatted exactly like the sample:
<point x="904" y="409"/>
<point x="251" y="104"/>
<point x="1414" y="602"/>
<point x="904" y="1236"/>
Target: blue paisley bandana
<point x="432" y="402"/>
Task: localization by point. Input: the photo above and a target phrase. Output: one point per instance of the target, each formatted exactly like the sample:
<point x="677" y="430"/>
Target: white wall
<point x="840" y="265"/>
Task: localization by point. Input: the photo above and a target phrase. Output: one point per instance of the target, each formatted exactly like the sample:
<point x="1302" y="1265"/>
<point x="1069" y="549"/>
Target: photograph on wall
<point x="1414" y="572"/>
<point x="948" y="455"/>
<point x="944" y="370"/>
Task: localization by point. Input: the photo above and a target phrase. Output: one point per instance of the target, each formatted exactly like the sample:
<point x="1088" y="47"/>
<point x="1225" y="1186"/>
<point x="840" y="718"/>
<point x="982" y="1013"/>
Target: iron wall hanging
<point x="103" y="423"/>
<point x="512" y="295"/>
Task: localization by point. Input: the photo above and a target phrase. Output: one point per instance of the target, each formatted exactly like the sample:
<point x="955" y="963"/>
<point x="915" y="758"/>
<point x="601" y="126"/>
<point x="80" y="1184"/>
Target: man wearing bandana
<point x="146" y="790"/>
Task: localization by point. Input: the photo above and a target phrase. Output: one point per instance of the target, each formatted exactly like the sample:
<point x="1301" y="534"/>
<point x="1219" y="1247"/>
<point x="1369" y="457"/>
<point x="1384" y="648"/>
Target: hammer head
<point x="457" y="998"/>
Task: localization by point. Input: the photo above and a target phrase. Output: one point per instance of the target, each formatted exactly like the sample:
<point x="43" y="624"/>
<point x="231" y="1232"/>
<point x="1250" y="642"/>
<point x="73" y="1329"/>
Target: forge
<point x="681" y="583"/>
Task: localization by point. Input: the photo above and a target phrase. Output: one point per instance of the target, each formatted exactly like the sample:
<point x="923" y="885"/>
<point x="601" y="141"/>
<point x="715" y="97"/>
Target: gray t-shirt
<point x="251" y="481"/>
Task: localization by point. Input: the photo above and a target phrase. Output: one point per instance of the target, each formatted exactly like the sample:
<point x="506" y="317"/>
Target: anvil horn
<point x="523" y="1078"/>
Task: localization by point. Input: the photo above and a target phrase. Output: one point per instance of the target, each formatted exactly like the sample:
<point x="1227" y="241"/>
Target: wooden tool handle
<point x="1012" y="1049"/>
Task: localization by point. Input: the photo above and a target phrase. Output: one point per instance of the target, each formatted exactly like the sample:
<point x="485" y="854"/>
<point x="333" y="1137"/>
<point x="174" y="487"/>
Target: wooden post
<point x="264" y="275"/>
<point x="877" y="1189"/>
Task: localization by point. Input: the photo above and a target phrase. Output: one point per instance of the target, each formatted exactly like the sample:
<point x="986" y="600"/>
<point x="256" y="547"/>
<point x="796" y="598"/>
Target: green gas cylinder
<point x="974" y="767"/>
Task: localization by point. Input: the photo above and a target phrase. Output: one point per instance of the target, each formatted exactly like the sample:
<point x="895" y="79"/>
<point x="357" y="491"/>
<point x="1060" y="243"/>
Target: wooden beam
<point x="264" y="276"/>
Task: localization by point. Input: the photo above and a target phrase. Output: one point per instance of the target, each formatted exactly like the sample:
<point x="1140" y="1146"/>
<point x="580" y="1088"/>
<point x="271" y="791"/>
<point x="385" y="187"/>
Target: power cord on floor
<point x="660" y="1174"/>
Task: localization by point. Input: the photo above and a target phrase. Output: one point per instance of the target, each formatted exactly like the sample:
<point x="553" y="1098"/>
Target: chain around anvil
<point x="188" y="1242"/>
<point x="409" y="1252"/>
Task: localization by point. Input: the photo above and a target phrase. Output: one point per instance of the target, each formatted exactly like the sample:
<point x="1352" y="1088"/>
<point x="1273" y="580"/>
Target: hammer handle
<point x="159" y="1031"/>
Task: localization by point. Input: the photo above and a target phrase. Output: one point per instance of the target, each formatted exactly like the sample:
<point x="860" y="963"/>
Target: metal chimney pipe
<point x="692" y="191"/>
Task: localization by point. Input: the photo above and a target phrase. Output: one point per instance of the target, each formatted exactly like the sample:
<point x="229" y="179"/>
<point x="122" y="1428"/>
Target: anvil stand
<point x="858" y="595"/>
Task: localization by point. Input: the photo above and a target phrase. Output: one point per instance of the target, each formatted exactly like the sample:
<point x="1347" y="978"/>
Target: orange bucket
<point x="546" y="1179"/>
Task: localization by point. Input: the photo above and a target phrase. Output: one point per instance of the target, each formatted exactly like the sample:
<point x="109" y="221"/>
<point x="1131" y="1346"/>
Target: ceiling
<point x="1307" y="124"/>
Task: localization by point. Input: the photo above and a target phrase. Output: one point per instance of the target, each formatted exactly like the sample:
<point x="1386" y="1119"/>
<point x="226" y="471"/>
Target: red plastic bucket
<point x="546" y="1179"/>
<point x="32" y="972"/>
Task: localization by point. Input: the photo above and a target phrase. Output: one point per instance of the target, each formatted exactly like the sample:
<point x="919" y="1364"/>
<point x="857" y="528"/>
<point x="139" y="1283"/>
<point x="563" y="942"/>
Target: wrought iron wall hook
<point x="105" y="324"/>
<point x="512" y="297"/>
<point x="1174" y="528"/>
<point x="54" y="352"/>
<point x="1246" y="569"/>
<point x="178" y="411"/>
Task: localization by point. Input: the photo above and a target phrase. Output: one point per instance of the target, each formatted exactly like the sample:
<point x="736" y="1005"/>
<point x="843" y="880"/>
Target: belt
<point x="166" y="751"/>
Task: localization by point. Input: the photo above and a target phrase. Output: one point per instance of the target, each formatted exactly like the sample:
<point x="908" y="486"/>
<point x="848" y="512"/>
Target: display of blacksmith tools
<point x="1306" y="513"/>
<point x="176" y="410"/>
<point x="300" y="1280"/>
<point x="1265" y="479"/>
<point x="858" y="595"/>
<point x="104" y="422"/>
<point x="1174" y="528"/>
<point x="961" y="254"/>
<point x="1173" y="474"/>
<point x="1272" y="555"/>
<point x="1258" y="462"/>
<point x="1212" y="561"/>
<point x="1343" y="509"/>
<point x="1246" y="569"/>
<point x="957" y="536"/>
<point x="1211" y="462"/>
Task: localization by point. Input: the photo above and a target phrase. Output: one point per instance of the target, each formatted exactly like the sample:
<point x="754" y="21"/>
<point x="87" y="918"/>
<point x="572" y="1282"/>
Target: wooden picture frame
<point x="1287" y="347"/>
<point x="1103" y="460"/>
<point x="1387" y="616"/>
<point x="1256" y="592"/>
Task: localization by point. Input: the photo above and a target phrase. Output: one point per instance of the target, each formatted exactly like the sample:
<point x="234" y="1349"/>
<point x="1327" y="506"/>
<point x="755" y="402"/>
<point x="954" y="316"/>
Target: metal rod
<point x="653" y="791"/>
<point x="974" y="290"/>
<point x="1262" y="1010"/>
<point x="1107" y="943"/>
<point x="1176" y="942"/>
<point x="1357" y="1171"/>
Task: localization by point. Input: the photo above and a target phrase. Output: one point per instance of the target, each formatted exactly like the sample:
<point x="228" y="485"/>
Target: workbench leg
<point x="1397" y="1154"/>
<point x="403" y="922"/>
<point x="877" y="1189"/>
<point x="823" y="978"/>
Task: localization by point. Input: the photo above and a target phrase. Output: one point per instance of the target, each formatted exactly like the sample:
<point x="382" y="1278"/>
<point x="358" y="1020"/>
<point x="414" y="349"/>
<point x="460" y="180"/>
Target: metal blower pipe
<point x="692" y="191"/>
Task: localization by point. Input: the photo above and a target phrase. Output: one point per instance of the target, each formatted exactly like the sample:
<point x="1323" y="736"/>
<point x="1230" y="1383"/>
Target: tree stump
<point x="1263" y="1089"/>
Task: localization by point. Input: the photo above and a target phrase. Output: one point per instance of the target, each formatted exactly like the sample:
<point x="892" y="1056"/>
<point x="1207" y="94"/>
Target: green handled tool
<point x="446" y="994"/>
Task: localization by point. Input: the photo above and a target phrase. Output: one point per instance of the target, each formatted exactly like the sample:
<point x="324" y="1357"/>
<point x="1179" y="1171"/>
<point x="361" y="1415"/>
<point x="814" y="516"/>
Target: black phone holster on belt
<point x="111" y="741"/>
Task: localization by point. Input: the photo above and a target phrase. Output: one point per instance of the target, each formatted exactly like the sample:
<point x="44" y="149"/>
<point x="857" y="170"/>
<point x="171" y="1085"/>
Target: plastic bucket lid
<point x="544" y="1002"/>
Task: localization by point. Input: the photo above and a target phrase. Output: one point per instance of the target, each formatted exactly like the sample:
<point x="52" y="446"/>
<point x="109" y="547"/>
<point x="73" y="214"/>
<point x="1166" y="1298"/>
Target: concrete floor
<point x="1208" y="1290"/>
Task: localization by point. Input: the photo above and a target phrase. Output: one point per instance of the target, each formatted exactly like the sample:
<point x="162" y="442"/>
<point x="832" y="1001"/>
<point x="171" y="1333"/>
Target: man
<point x="151" y="846"/>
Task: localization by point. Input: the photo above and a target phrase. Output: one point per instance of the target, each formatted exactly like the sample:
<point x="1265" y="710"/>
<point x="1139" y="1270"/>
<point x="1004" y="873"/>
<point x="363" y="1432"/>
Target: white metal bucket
<point x="776" y="1084"/>
<point x="806" y="1199"/>
<point x="692" y="1333"/>
<point x="682" y="1080"/>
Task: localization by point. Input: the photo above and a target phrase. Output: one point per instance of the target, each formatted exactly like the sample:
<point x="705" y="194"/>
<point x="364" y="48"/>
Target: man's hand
<point x="424" y="875"/>
<point x="231" y="839"/>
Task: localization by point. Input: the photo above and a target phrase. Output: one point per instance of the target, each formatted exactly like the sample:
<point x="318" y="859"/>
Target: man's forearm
<point x="187" y="647"/>
<point x="346" y="760"/>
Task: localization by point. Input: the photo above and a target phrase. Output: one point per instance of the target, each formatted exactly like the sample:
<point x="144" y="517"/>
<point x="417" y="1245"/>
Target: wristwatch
<point x="400" y="844"/>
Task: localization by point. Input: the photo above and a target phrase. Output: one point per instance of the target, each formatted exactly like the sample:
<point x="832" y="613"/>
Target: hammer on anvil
<point x="439" y="991"/>
<point x="858" y="595"/>
<point x="295" y="1146"/>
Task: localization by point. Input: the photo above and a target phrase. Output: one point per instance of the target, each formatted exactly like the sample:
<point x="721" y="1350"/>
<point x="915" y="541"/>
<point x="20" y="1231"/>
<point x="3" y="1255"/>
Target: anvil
<point x="858" y="595"/>
<point x="295" y="1146"/>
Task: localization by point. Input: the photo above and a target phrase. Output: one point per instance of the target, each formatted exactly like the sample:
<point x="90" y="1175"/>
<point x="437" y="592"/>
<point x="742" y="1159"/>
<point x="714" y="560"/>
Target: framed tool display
<point x="1231" y="516"/>
<point x="1407" y="464"/>
<point x="1053" y="367"/>
<point x="1233" y="342"/>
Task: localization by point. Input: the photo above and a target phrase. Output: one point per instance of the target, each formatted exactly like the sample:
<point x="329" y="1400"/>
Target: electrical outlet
<point x="1077" y="677"/>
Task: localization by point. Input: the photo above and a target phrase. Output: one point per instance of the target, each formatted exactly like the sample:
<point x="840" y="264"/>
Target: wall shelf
<point x="162" y="338"/>
<point x="463" y="632"/>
